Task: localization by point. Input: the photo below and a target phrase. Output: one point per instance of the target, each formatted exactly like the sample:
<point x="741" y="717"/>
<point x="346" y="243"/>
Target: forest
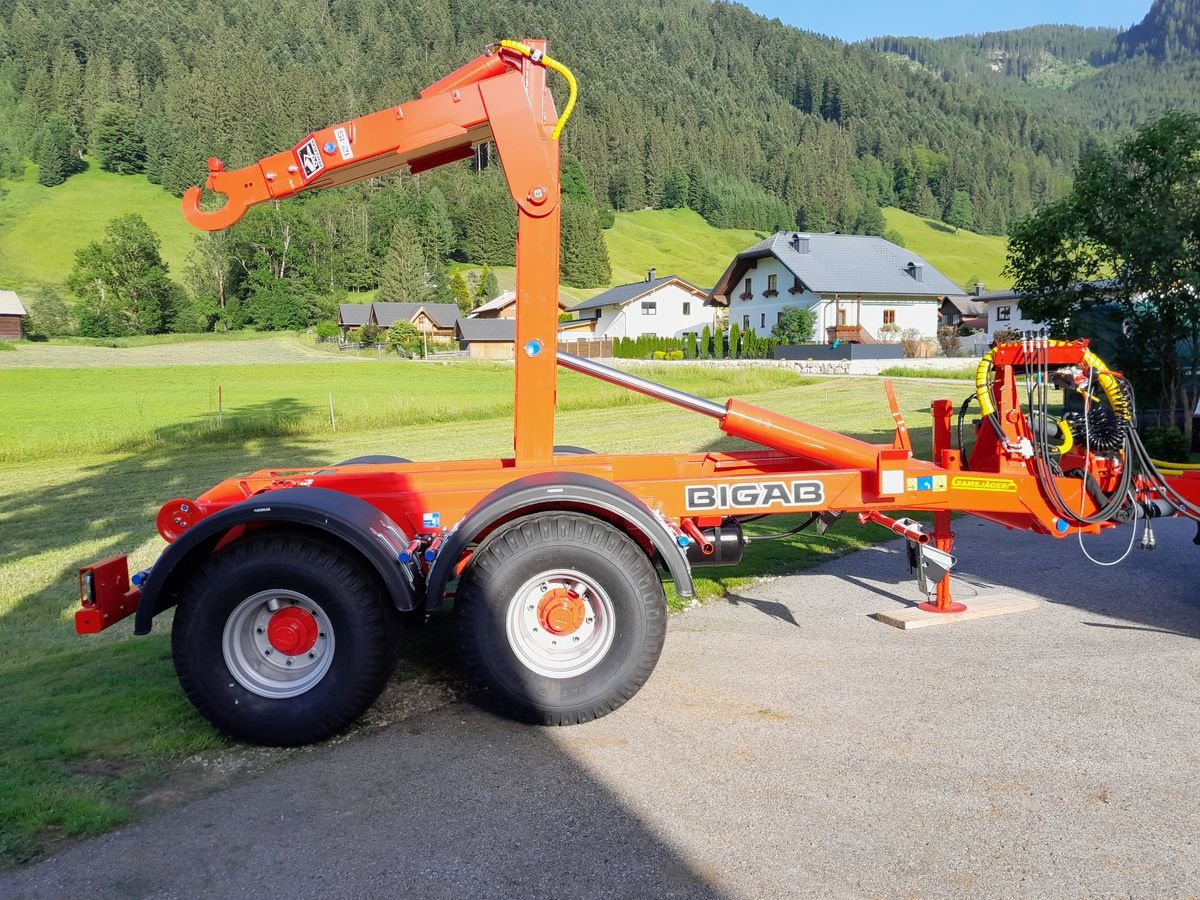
<point x="752" y="123"/>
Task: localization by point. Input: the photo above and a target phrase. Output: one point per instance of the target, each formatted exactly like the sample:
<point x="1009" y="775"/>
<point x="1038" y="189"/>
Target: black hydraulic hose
<point x="962" y="414"/>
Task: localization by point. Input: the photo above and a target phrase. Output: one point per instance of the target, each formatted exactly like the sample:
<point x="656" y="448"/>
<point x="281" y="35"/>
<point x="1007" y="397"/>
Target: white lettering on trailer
<point x="343" y="143"/>
<point x="754" y="495"/>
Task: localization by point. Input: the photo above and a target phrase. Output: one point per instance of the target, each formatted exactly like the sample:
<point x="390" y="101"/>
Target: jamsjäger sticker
<point x="975" y="483"/>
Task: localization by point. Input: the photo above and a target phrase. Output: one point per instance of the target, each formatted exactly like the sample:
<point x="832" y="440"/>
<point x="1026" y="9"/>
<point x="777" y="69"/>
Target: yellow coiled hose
<point x="1108" y="383"/>
<point x="550" y="63"/>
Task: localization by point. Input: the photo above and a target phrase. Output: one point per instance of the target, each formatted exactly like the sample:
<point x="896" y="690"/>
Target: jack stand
<point x="933" y="567"/>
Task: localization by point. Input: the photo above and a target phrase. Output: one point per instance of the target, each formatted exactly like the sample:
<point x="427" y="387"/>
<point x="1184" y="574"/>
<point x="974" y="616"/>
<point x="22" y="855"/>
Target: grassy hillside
<point x="963" y="258"/>
<point x="675" y="242"/>
<point x="41" y="228"/>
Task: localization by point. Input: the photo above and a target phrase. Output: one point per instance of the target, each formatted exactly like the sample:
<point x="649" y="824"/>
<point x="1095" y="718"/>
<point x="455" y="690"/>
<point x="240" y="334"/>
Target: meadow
<point x="95" y="727"/>
<point x="964" y="257"/>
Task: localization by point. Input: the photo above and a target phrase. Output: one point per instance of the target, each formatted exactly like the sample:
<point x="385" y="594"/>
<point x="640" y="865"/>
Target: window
<point x="762" y="321"/>
<point x="1003" y="313"/>
<point x="749" y="286"/>
<point x="771" y="290"/>
<point x="745" y="323"/>
<point x="779" y="318"/>
<point x="649" y="307"/>
<point x="649" y="334"/>
<point x="889" y="317"/>
<point x="747" y="290"/>
<point x="687" y="309"/>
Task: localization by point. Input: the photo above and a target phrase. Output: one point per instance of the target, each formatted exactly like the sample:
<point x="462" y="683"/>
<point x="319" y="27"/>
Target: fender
<point x="557" y="490"/>
<point x="352" y="521"/>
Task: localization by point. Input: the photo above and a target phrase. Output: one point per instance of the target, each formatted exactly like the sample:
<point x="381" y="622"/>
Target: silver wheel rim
<point x="560" y="655"/>
<point x="260" y="667"/>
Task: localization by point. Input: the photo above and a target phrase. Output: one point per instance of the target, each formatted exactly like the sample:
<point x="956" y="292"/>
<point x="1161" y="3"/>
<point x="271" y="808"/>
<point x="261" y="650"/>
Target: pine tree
<point x="460" y="292"/>
<point x="488" y="287"/>
<point x="55" y="153"/>
<point x="584" y="255"/>
<point x="117" y="141"/>
<point x="405" y="277"/>
<point x="735" y="341"/>
<point x="706" y="343"/>
<point x="959" y="212"/>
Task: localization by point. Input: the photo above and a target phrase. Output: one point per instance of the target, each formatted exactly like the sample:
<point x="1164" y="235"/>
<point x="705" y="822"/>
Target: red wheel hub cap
<point x="561" y="611"/>
<point x="292" y="631"/>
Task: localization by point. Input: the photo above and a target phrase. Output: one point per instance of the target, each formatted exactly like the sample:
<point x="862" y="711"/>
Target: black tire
<point x="373" y="460"/>
<point x="500" y="585"/>
<point x="218" y="660"/>
<point x="569" y="450"/>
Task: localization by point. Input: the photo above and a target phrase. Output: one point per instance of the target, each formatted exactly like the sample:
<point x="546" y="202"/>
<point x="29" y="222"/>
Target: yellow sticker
<point x="975" y="483"/>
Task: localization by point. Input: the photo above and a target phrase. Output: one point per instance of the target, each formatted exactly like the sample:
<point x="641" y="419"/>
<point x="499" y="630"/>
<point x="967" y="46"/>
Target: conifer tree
<point x="55" y="154"/>
<point x="461" y="293"/>
<point x="584" y="255"/>
<point x="405" y="277"/>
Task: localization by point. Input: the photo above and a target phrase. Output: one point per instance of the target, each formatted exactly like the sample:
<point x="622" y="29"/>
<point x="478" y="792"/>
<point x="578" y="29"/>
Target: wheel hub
<point x="561" y="611"/>
<point x="278" y="643"/>
<point x="560" y="623"/>
<point x="292" y="631"/>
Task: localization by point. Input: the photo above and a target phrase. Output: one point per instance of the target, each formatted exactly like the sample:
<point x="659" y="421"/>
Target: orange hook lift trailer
<point x="288" y="583"/>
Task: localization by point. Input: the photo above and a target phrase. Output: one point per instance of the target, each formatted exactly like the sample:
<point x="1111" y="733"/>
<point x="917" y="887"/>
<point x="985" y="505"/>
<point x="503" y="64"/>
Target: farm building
<point x="1004" y="312"/>
<point x="353" y="315"/>
<point x="437" y="320"/>
<point x="862" y="289"/>
<point x="487" y="338"/>
<point x="968" y="312"/>
<point x="656" y="307"/>
<point x="503" y="307"/>
<point x="12" y="317"/>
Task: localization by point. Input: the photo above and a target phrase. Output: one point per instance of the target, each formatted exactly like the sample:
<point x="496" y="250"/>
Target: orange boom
<point x="288" y="583"/>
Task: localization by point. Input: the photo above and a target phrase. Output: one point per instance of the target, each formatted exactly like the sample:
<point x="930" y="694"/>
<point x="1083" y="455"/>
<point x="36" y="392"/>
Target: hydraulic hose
<point x="550" y="63"/>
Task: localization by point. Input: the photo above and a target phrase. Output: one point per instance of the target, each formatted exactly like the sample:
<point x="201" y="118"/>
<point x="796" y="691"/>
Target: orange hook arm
<point x="448" y="120"/>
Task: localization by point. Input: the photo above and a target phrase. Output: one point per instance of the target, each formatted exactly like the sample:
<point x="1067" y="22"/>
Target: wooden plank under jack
<point x="980" y="607"/>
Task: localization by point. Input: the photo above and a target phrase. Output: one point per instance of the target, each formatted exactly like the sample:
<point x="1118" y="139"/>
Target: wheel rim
<point x="560" y="624"/>
<point x="278" y="644"/>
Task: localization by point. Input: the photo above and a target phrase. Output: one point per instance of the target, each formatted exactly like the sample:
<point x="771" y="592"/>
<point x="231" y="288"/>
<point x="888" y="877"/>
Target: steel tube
<point x="641" y="385"/>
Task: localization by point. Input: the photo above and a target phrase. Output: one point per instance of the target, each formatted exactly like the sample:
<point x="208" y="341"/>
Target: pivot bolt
<point x="537" y="196"/>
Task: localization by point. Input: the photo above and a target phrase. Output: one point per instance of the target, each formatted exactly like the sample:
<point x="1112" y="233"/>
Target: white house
<point x="656" y="307"/>
<point x="1004" y="313"/>
<point x="862" y="289"/>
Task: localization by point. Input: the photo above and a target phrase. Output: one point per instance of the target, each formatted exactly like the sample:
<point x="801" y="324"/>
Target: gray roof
<point x="444" y="315"/>
<point x="487" y="330"/>
<point x="969" y="306"/>
<point x="997" y="295"/>
<point x="842" y="264"/>
<point x="499" y="303"/>
<point x="353" y="313"/>
<point x="10" y="304"/>
<point x="623" y="293"/>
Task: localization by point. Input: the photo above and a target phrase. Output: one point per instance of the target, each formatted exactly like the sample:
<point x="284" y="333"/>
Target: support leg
<point x="943" y="539"/>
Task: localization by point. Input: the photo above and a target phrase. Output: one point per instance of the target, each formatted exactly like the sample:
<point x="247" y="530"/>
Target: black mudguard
<point x="559" y="491"/>
<point x="346" y="519"/>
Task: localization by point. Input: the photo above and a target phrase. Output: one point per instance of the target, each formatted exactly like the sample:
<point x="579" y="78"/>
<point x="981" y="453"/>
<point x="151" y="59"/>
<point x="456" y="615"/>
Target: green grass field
<point x="96" y="728"/>
<point x="41" y="228"/>
<point x="963" y="258"/>
<point x="674" y="242"/>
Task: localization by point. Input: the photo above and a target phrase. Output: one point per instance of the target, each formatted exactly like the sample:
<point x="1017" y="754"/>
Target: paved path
<point x="787" y="746"/>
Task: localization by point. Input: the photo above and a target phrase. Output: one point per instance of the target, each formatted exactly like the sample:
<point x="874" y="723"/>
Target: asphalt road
<point x="788" y="745"/>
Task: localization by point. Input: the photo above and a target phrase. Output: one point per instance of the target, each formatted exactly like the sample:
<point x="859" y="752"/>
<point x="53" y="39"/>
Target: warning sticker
<point x="343" y="142"/>
<point x="926" y="483"/>
<point x="309" y="157"/>
<point x="975" y="483"/>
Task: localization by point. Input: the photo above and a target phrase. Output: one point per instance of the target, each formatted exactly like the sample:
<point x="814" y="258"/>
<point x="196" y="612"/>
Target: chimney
<point x="916" y="270"/>
<point x="650" y="275"/>
<point x="799" y="242"/>
<point x="979" y="289"/>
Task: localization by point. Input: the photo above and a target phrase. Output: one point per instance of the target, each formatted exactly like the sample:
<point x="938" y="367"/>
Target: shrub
<point x="889" y="332"/>
<point x="369" y="333"/>
<point x="1006" y="336"/>
<point x="795" y="325"/>
<point x="327" y="330"/>
<point x="949" y="340"/>
<point x="1166" y="443"/>
<point x="354" y="335"/>
<point x="658" y="354"/>
<point x="914" y="344"/>
<point x="674" y="355"/>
